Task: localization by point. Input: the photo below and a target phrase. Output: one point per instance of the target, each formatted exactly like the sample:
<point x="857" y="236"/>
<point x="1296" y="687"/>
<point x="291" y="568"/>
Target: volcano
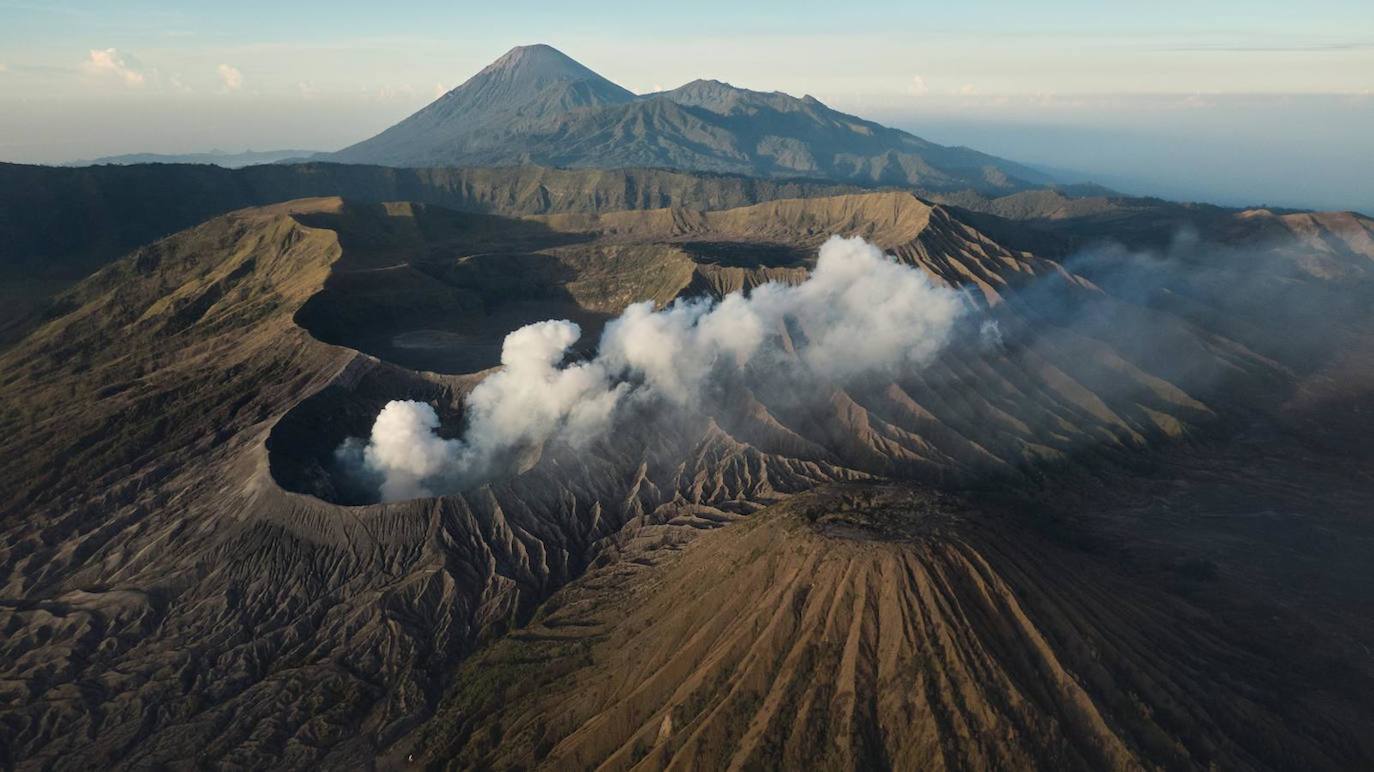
<point x="1131" y="530"/>
<point x="536" y="105"/>
<point x="1115" y="515"/>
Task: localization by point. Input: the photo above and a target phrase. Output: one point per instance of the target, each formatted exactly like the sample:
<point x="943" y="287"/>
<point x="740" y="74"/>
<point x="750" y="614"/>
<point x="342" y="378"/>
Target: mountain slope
<point x="180" y="586"/>
<point x="118" y="208"/>
<point x="881" y="627"/>
<point x="519" y="91"/>
<point x="535" y="105"/>
<point x="60" y="224"/>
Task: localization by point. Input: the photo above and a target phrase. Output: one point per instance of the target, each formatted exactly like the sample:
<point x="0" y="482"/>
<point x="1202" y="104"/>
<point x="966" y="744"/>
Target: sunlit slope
<point x="62" y="224"/>
<point x="866" y="627"/>
<point x="182" y="580"/>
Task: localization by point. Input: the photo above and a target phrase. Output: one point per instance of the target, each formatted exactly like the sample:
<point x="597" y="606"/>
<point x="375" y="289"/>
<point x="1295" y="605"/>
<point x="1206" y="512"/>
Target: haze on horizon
<point x="1253" y="103"/>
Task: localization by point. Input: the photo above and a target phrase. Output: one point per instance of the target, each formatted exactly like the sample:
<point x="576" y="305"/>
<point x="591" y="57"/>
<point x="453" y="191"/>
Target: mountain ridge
<point x="526" y="84"/>
<point x="166" y="437"/>
<point x="216" y="157"/>
<point x="537" y="105"/>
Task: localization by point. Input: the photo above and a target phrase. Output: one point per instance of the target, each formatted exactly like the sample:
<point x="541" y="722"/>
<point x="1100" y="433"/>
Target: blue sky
<point x="253" y="20"/>
<point x="79" y="79"/>
<point x="874" y="47"/>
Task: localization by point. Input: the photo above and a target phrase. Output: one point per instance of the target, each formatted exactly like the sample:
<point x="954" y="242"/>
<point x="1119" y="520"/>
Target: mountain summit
<point x="539" y="64"/>
<point x="526" y="77"/>
<point x="513" y="95"/>
<point x="537" y="105"/>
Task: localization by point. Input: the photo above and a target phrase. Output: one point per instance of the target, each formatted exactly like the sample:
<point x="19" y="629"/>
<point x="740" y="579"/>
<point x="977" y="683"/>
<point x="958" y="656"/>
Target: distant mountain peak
<point x="713" y="86"/>
<point x="532" y="50"/>
<point x="523" y="77"/>
<point x="538" y="61"/>
<point x="536" y="104"/>
<point x="705" y="83"/>
<point x="527" y="86"/>
<point x="724" y="98"/>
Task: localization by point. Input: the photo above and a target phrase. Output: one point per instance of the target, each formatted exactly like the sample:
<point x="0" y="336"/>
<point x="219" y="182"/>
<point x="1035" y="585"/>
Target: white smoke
<point x="404" y="450"/>
<point x="859" y="312"/>
<point x="990" y="333"/>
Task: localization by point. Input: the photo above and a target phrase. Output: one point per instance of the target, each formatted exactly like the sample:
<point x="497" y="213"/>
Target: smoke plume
<point x="859" y="312"/>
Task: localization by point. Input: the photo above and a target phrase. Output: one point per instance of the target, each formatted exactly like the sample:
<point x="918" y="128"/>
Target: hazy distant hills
<point x="536" y="105"/>
<point x="213" y="157"/>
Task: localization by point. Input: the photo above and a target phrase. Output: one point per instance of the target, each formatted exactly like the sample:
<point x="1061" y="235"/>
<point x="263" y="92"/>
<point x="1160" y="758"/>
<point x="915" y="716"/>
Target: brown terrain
<point x="1132" y="532"/>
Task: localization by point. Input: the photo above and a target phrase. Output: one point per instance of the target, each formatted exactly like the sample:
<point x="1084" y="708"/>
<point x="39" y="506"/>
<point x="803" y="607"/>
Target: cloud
<point x="387" y="92"/>
<point x="1190" y="102"/>
<point x="967" y="89"/>
<point x="110" y="62"/>
<point x="230" y="76"/>
<point x="439" y="90"/>
<point x="1231" y="48"/>
<point x="860" y="313"/>
<point x="47" y="70"/>
<point x="990" y="333"/>
<point x="918" y="86"/>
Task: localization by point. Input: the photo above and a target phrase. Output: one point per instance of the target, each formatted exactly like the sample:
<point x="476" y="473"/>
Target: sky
<point x="1236" y="102"/>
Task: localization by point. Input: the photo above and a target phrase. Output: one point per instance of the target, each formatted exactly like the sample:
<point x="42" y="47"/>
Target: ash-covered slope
<point x="181" y="583"/>
<point x="59" y="225"/>
<point x="881" y="627"/>
<point x="66" y="222"/>
<point x="152" y="563"/>
<point x="535" y="105"/>
<point x="1066" y="378"/>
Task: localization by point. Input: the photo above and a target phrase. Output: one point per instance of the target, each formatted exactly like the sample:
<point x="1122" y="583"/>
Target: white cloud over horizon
<point x="230" y="76"/>
<point x="113" y="62"/>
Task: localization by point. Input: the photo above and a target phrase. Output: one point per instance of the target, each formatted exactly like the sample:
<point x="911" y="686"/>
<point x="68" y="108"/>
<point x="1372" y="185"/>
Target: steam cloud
<point x="859" y="312"/>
